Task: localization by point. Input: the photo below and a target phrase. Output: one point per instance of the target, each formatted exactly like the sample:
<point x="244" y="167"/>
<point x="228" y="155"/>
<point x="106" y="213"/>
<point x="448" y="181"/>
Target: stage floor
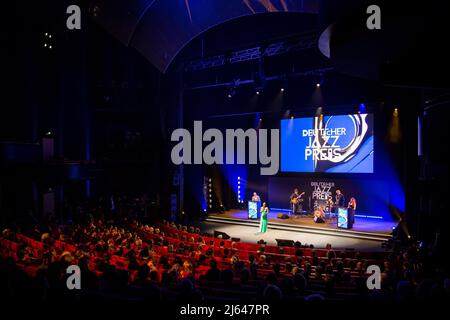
<point x="249" y="234"/>
<point x="367" y="233"/>
<point x="369" y="225"/>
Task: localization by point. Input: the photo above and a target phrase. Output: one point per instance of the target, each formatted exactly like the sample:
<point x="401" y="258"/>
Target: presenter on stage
<point x="351" y="211"/>
<point x="255" y="197"/>
<point x="263" y="220"/>
<point x="340" y="199"/>
<point x="254" y="204"/>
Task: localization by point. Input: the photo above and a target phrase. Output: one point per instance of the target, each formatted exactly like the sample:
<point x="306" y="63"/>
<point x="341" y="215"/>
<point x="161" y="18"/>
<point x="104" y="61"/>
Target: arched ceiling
<point x="160" y="29"/>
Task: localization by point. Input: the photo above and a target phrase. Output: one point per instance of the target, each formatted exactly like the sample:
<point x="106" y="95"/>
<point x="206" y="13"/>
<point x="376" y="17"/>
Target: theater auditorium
<point x="222" y="151"/>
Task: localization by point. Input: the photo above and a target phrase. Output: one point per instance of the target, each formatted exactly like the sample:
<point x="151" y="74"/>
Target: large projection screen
<point x="335" y="144"/>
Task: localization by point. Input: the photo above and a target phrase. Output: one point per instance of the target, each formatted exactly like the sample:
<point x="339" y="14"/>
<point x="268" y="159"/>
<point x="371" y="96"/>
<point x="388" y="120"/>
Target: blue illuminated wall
<point x="236" y="177"/>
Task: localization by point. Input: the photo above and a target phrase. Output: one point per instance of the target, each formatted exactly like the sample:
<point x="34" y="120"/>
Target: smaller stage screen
<point x="335" y="144"/>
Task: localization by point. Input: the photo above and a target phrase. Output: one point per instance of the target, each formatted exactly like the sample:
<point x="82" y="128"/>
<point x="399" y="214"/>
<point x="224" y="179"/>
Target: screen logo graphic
<point x="341" y="143"/>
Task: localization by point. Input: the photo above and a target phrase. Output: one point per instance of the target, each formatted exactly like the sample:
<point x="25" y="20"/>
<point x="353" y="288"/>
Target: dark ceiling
<point x="161" y="29"/>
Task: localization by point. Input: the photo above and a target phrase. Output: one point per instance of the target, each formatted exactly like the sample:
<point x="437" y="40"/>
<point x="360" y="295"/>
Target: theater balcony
<point x="35" y="157"/>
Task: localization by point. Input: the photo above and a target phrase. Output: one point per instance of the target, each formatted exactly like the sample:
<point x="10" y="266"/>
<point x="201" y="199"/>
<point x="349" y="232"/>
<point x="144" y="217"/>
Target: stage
<point x="370" y="229"/>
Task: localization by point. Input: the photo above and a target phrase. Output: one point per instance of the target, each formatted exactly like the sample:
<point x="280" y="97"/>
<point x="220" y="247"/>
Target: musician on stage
<point x="295" y="201"/>
<point x="319" y="215"/>
<point x="340" y="199"/>
<point x="329" y="204"/>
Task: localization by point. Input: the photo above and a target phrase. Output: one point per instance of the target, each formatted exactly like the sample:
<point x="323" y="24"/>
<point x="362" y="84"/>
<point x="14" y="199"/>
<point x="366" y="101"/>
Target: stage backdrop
<point x="372" y="195"/>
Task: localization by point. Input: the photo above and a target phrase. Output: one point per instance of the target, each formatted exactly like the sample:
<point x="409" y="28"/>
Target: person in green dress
<point x="263" y="221"/>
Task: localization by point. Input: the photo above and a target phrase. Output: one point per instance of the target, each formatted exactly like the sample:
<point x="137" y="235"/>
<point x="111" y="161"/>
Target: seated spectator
<point x="154" y="276"/>
<point x="142" y="275"/>
<point x="340" y="274"/>
<point x="287" y="287"/>
<point x="276" y="269"/>
<point x="7" y="234"/>
<point x="289" y="267"/>
<point x="300" y="283"/>
<point x="89" y="280"/>
<point x="234" y="259"/>
<point x="210" y="252"/>
<point x="144" y="253"/>
<point x="133" y="264"/>
<point x="244" y="276"/>
<point x="213" y="274"/>
<point x="186" y="270"/>
<point x="262" y="259"/>
<point x="227" y="277"/>
<point x="253" y="266"/>
<point x="331" y="254"/>
<point x="319" y="272"/>
<point x="271" y="278"/>
<point x="272" y="293"/>
<point x="186" y="290"/>
<point x="315" y="259"/>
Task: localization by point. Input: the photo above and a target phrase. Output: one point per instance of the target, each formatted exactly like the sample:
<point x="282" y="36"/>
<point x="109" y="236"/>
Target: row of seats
<point x="173" y="236"/>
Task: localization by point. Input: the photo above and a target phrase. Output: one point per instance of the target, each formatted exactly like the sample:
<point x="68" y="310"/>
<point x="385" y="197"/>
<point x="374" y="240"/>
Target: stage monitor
<point x="334" y="144"/>
<point x="284" y="243"/>
<point x="222" y="234"/>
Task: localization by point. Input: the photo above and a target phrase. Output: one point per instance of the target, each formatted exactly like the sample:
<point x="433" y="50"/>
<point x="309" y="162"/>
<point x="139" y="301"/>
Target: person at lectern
<point x="263" y="220"/>
<point x="255" y="197"/>
<point x="340" y="199"/>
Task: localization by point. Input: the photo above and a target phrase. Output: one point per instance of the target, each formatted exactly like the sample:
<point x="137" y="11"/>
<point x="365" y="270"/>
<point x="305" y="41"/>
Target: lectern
<point x="346" y="218"/>
<point x="253" y="209"/>
<point x="342" y="218"/>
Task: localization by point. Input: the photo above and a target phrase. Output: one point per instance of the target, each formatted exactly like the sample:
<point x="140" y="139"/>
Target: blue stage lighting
<point x="362" y="108"/>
